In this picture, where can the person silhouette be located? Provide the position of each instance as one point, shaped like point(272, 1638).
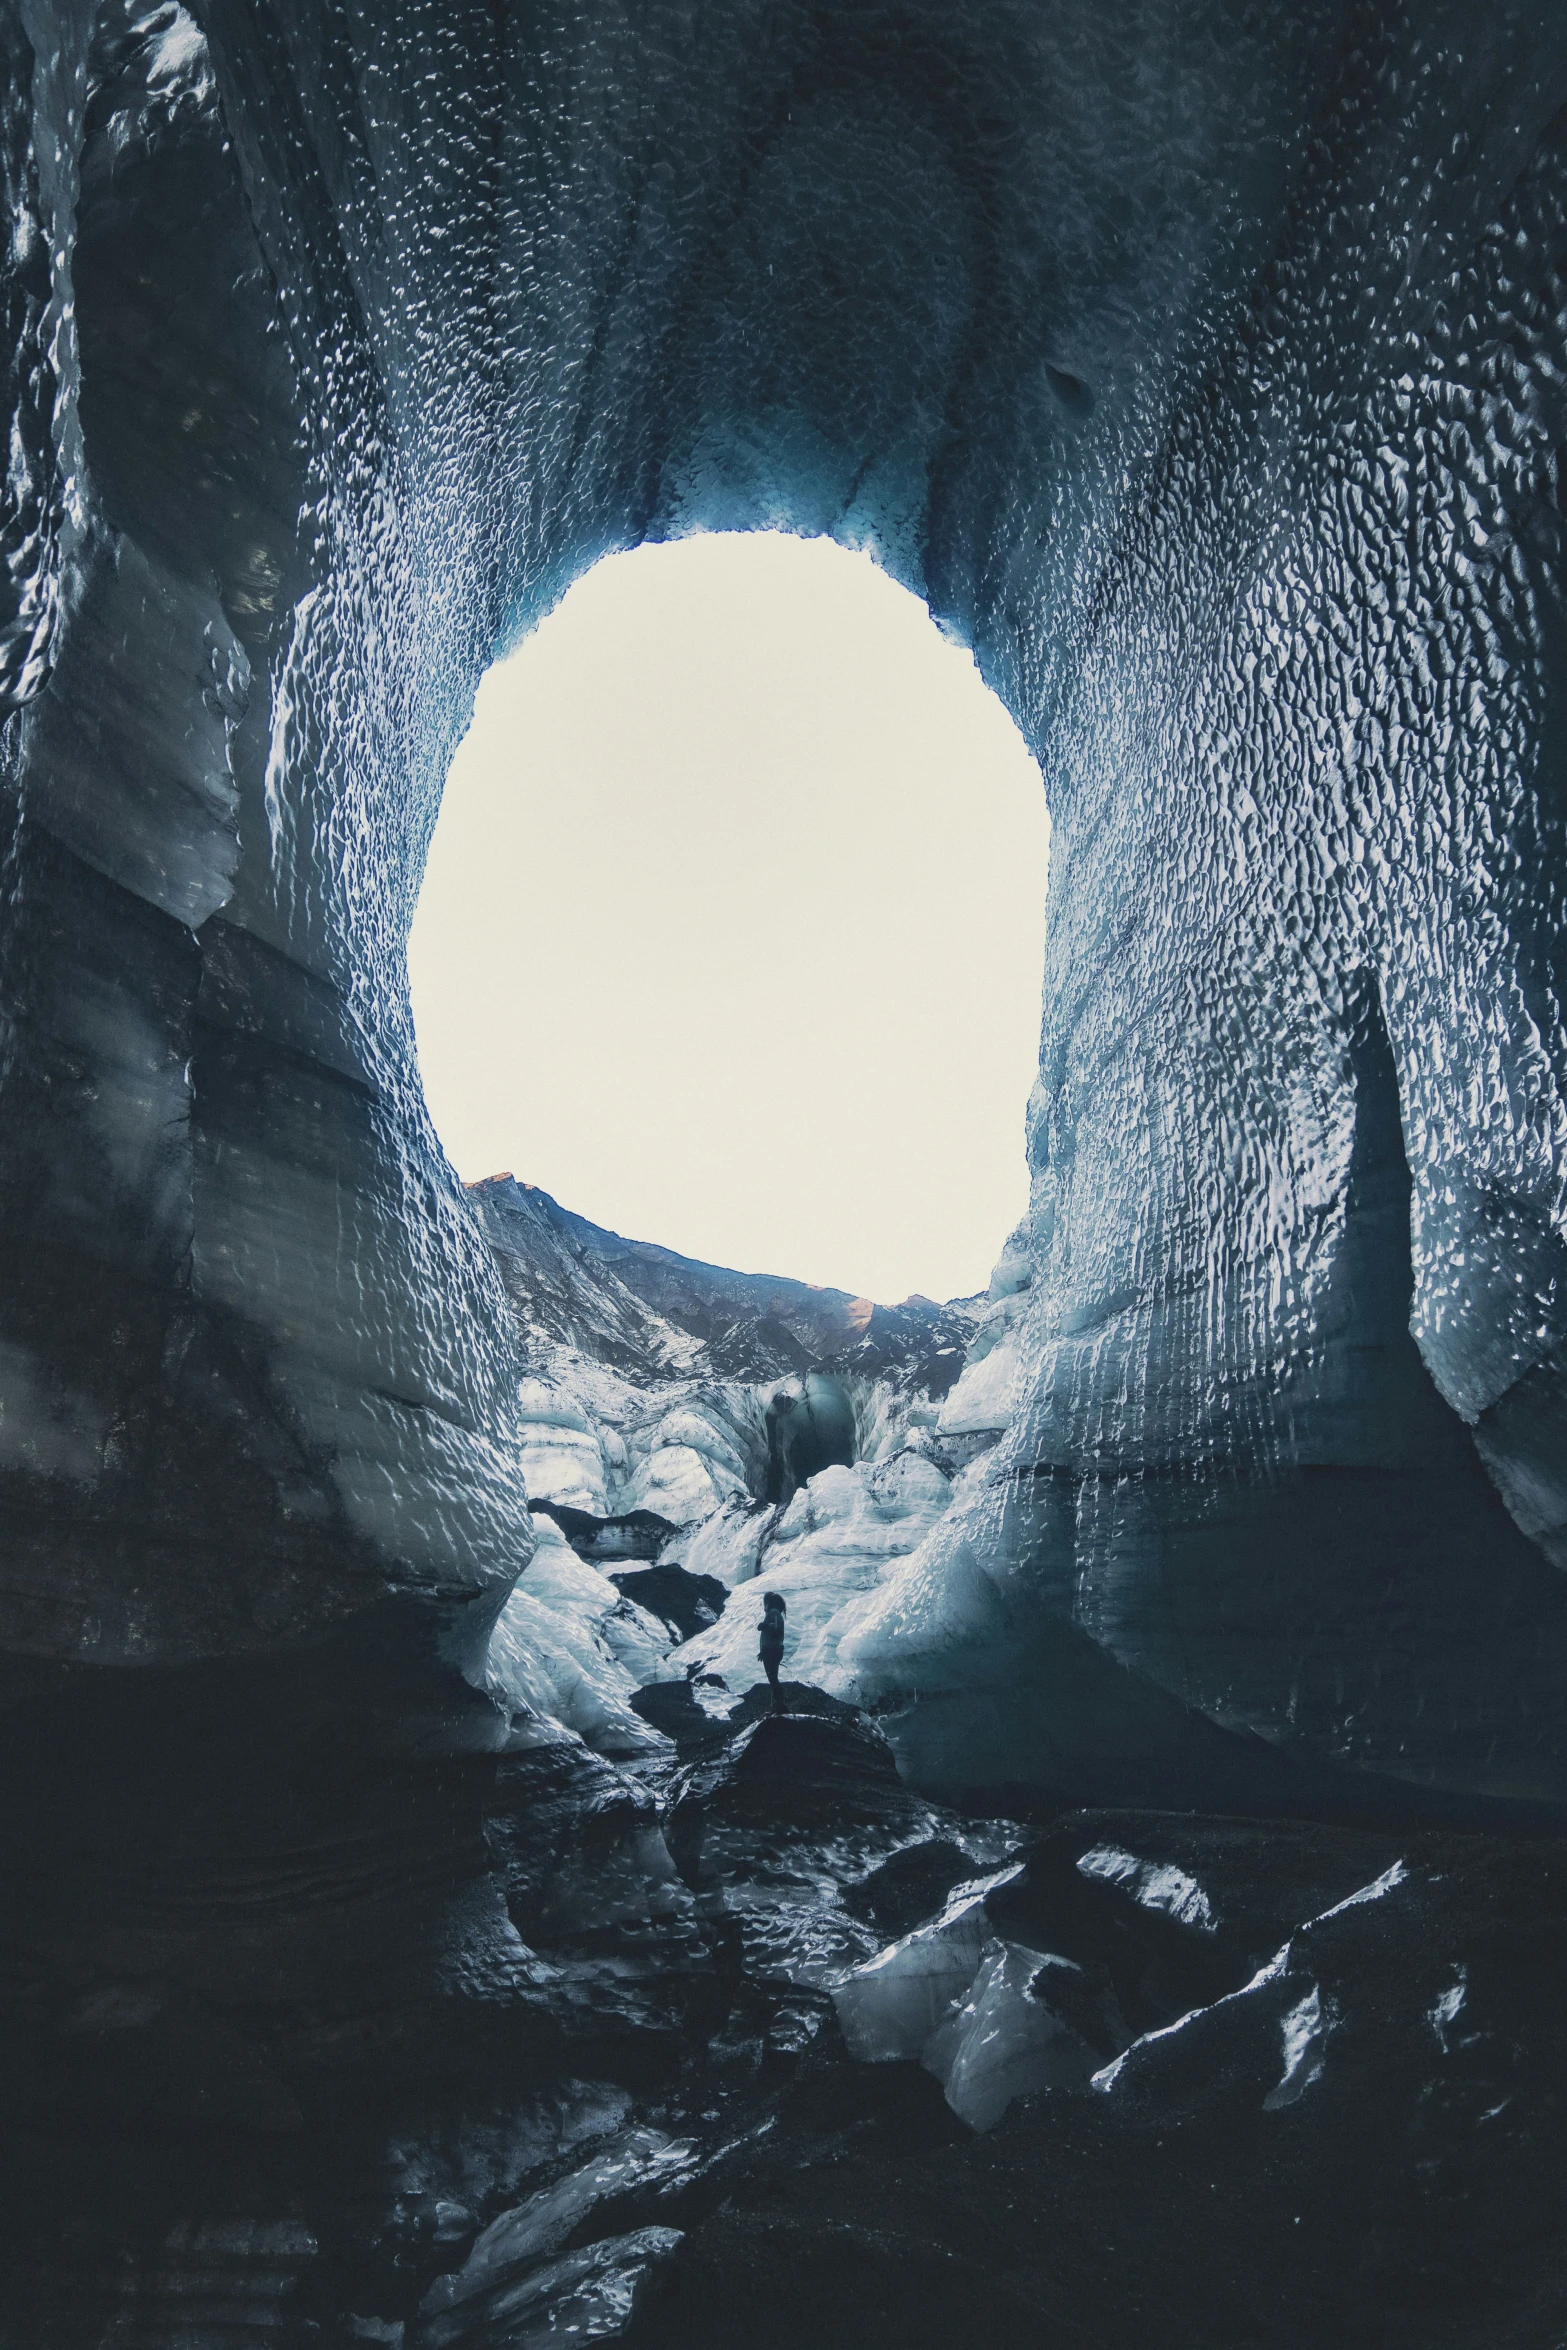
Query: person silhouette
point(770, 1647)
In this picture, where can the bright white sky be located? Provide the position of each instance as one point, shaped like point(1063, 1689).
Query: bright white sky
point(733, 926)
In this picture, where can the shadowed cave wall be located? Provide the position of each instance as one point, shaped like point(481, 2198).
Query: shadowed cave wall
point(1203, 368)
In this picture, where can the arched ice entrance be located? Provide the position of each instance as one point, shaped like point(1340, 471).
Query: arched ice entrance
point(1250, 523)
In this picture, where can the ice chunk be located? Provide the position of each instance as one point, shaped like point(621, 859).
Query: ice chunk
point(544, 1404)
point(1155, 1884)
point(980, 1405)
point(941, 1617)
point(571, 1587)
point(981, 1401)
point(686, 1452)
point(728, 1544)
point(1005, 2040)
point(588, 2296)
point(842, 1534)
point(1377, 1890)
point(1446, 2010)
point(594, 1441)
point(555, 1672)
point(562, 1452)
point(1303, 2023)
point(889, 2007)
point(564, 1581)
point(975, 2010)
point(520, 2238)
point(699, 1432)
point(676, 1482)
point(1303, 2030)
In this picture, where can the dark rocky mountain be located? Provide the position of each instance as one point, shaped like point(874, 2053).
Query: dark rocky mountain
point(618, 1300)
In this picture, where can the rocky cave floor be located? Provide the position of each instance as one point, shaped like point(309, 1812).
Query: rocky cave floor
point(630, 2107)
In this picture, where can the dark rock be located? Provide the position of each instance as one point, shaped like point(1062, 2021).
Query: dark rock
point(796, 1697)
point(420, 2223)
point(782, 1784)
point(139, 2055)
point(909, 1886)
point(675, 1708)
point(1157, 1965)
point(1260, 1878)
point(813, 1758)
point(701, 1716)
point(689, 1602)
point(638, 1534)
point(1433, 2217)
point(569, 1835)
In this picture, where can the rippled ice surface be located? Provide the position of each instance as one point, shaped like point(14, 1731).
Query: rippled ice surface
point(1205, 376)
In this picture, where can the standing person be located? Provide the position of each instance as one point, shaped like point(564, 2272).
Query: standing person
point(770, 1648)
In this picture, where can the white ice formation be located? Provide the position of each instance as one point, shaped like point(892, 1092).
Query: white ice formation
point(1005, 2039)
point(627, 1417)
point(843, 1534)
point(568, 1650)
point(499, 2283)
point(1155, 1884)
point(980, 2013)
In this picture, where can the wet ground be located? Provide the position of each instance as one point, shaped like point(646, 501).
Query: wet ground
point(1307, 2084)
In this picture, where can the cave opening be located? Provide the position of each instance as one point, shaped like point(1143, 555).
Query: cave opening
point(739, 873)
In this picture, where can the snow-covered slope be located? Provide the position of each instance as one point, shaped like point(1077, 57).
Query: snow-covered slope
point(644, 1309)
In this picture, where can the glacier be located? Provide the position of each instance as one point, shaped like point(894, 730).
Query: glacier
point(814, 1462)
point(1201, 366)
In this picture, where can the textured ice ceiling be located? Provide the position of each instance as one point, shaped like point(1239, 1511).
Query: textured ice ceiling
point(1204, 368)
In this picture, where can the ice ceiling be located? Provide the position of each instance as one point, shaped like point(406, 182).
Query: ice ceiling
point(1203, 368)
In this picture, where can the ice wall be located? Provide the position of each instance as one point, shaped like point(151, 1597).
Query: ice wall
point(1203, 367)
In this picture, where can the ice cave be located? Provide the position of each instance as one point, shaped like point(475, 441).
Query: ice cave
point(1140, 1911)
